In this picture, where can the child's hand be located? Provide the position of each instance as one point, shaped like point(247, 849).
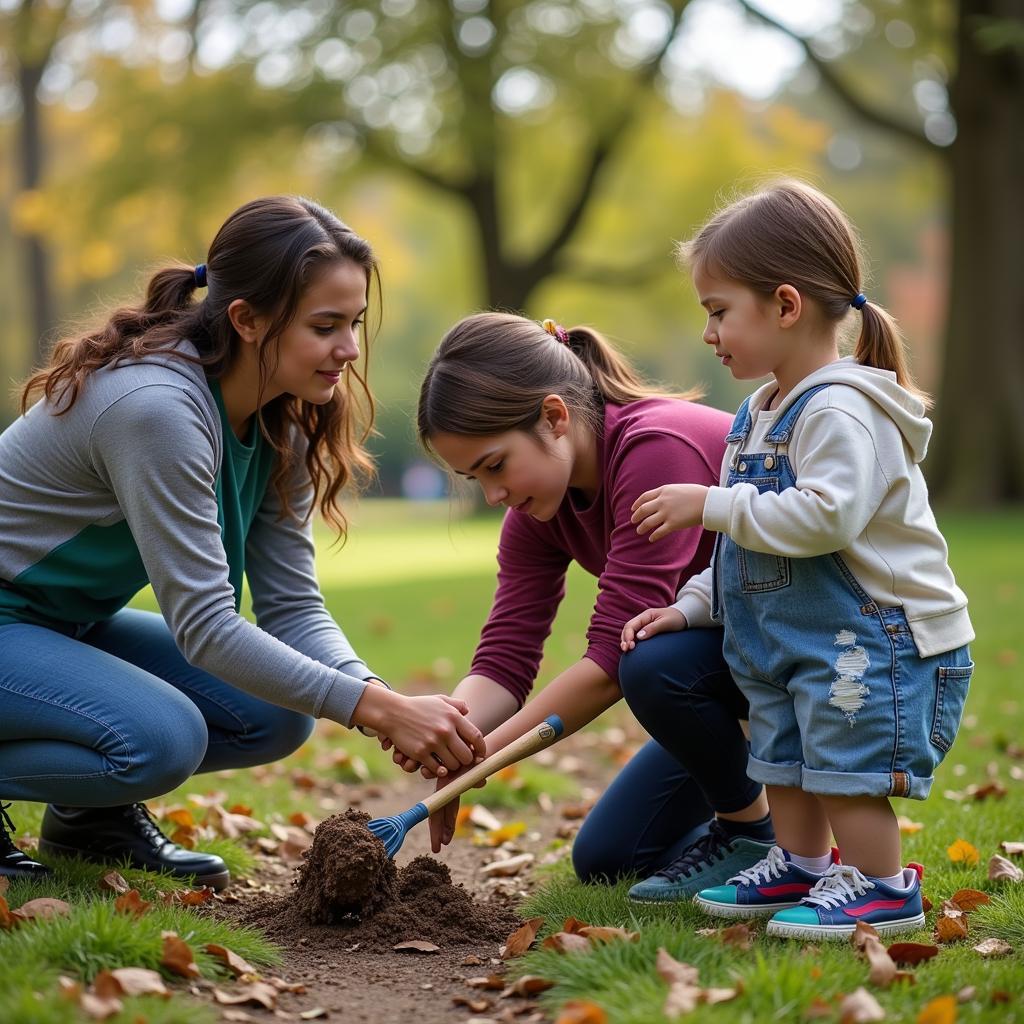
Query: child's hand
point(668, 508)
point(650, 623)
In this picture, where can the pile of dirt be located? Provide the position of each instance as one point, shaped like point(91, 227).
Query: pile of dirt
point(349, 892)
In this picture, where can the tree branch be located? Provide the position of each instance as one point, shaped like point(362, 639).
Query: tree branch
point(842, 90)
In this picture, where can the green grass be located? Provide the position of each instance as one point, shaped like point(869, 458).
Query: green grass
point(781, 979)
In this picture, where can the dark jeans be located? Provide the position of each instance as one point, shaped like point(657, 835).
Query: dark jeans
point(681, 691)
point(119, 715)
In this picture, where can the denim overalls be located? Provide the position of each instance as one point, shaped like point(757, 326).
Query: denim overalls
point(840, 701)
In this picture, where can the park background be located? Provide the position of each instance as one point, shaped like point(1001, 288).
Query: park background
point(544, 156)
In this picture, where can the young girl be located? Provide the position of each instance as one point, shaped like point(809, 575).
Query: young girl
point(181, 445)
point(843, 624)
point(554, 425)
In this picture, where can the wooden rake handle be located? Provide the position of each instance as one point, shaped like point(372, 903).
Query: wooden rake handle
point(529, 743)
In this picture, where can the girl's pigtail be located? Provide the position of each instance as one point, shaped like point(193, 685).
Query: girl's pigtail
point(881, 345)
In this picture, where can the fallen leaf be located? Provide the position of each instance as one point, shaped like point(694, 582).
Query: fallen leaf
point(817, 1009)
point(131, 903)
point(993, 948)
point(521, 939)
point(286, 986)
point(232, 824)
point(181, 816)
point(69, 988)
point(598, 933)
point(983, 792)
point(926, 904)
point(949, 928)
point(193, 897)
point(567, 942)
point(862, 931)
point(574, 924)
point(234, 963)
point(4, 884)
point(1001, 869)
point(99, 1007)
point(497, 836)
point(42, 909)
point(941, 1010)
point(177, 956)
point(258, 992)
point(860, 1007)
point(1012, 849)
point(911, 953)
point(316, 1013)
point(7, 919)
point(908, 827)
point(482, 817)
point(472, 961)
point(507, 868)
point(574, 812)
point(999, 996)
point(883, 970)
point(114, 882)
point(672, 971)
point(966, 994)
point(476, 1005)
point(581, 1011)
point(493, 981)
point(136, 981)
point(528, 985)
point(416, 946)
point(963, 852)
point(969, 899)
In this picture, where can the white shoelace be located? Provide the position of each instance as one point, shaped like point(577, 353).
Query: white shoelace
point(841, 884)
point(772, 866)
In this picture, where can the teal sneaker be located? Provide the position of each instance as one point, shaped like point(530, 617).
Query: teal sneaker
point(772, 884)
point(708, 861)
point(843, 896)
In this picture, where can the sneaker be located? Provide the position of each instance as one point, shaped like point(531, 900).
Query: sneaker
point(844, 896)
point(772, 884)
point(708, 861)
point(15, 863)
point(129, 833)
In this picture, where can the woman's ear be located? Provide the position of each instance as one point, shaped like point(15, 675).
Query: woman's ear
point(789, 304)
point(554, 414)
point(244, 321)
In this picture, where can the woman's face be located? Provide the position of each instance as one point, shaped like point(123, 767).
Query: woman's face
point(528, 473)
point(323, 336)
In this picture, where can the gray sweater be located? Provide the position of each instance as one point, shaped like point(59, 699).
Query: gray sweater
point(122, 490)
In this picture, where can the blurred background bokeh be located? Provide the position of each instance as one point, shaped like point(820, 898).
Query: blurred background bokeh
point(537, 155)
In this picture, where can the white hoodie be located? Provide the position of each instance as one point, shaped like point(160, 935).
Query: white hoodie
point(855, 450)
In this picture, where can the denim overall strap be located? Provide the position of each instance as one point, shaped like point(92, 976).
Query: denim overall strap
point(783, 430)
point(741, 424)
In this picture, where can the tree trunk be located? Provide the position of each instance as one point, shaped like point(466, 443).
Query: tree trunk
point(37, 262)
point(977, 458)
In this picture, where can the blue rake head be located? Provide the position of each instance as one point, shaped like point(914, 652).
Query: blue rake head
point(391, 831)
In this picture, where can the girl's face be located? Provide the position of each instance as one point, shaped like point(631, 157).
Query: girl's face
point(743, 327)
point(323, 336)
point(521, 471)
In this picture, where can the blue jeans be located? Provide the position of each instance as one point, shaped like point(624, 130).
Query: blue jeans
point(116, 715)
point(681, 691)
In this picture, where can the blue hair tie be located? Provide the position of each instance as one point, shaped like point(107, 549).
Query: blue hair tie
point(859, 300)
point(200, 275)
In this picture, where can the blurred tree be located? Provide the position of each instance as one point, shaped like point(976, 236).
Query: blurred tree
point(964, 104)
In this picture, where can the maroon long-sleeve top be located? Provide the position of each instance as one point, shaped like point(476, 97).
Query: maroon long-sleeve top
point(645, 444)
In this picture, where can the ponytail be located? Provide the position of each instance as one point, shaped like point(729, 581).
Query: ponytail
point(492, 372)
point(168, 301)
point(881, 345)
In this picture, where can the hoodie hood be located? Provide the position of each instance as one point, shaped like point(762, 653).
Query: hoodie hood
point(906, 410)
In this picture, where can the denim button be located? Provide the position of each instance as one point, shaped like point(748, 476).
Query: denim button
point(769, 461)
point(742, 467)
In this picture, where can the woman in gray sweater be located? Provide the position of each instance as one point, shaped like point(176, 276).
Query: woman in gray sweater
point(184, 444)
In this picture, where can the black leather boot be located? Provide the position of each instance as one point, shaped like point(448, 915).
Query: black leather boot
point(15, 863)
point(114, 834)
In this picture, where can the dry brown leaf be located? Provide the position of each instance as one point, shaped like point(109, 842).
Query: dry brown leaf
point(234, 963)
point(581, 1011)
point(860, 1007)
point(574, 924)
point(681, 999)
point(476, 1005)
point(739, 936)
point(472, 961)
point(672, 971)
point(862, 931)
point(114, 882)
point(567, 942)
point(317, 1013)
point(883, 970)
point(137, 981)
point(193, 897)
point(42, 909)
point(494, 982)
point(600, 933)
point(181, 816)
point(528, 985)
point(818, 1009)
point(993, 947)
point(1001, 869)
point(969, 899)
point(255, 992)
point(480, 816)
point(908, 827)
point(941, 1010)
point(69, 988)
point(177, 956)
point(99, 1007)
point(521, 939)
point(950, 928)
point(983, 792)
point(962, 852)
point(1012, 849)
point(7, 919)
point(416, 946)
point(497, 836)
point(710, 996)
point(131, 903)
point(236, 822)
point(507, 868)
point(999, 996)
point(911, 953)
point(286, 986)
point(966, 994)
point(574, 812)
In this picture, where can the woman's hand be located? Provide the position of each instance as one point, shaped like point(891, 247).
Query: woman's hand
point(669, 508)
point(442, 822)
point(429, 730)
point(650, 623)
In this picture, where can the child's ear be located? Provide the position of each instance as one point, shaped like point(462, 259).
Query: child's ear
point(789, 304)
point(244, 321)
point(555, 414)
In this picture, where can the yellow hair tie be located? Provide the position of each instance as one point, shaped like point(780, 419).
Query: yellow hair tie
point(555, 330)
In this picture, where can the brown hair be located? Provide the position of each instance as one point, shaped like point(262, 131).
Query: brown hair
point(492, 372)
point(268, 252)
point(790, 233)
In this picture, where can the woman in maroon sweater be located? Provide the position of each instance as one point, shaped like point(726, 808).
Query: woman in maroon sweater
point(556, 426)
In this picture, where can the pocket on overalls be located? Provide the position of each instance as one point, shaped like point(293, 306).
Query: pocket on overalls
point(950, 696)
point(759, 570)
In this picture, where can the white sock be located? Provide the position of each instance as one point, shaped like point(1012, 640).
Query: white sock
point(818, 865)
point(896, 881)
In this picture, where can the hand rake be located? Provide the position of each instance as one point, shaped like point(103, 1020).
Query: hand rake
point(391, 831)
